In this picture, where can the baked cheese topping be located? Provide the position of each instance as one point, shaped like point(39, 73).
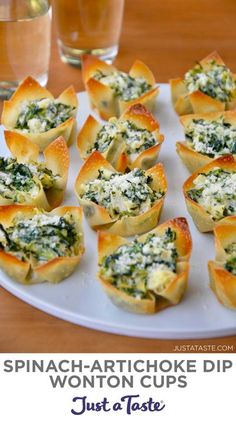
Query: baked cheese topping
point(230, 264)
point(45, 175)
point(41, 115)
point(123, 85)
point(215, 192)
point(137, 268)
point(215, 80)
point(136, 139)
point(214, 139)
point(18, 180)
point(41, 237)
point(122, 194)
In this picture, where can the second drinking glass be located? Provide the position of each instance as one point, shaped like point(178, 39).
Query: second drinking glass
point(88, 27)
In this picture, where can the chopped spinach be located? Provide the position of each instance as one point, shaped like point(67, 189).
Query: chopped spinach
point(211, 138)
point(131, 265)
point(215, 191)
point(230, 265)
point(123, 85)
point(136, 139)
point(41, 115)
point(122, 194)
point(41, 237)
point(18, 178)
point(215, 80)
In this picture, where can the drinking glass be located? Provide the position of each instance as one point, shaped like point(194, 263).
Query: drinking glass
point(88, 27)
point(25, 30)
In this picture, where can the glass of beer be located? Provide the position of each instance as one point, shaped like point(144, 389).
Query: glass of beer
point(88, 27)
point(24, 42)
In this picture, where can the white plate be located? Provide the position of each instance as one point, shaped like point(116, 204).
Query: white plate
point(81, 300)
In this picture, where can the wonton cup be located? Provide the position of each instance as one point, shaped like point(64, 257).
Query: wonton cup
point(102, 97)
point(30, 272)
point(192, 159)
point(99, 218)
point(197, 102)
point(202, 219)
point(30, 90)
point(116, 152)
point(56, 157)
point(173, 292)
point(222, 281)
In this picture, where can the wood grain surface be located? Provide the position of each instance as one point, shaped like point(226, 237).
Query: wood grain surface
point(169, 36)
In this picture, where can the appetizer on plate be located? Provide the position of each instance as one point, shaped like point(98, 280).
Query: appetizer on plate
point(222, 271)
point(36, 246)
point(33, 112)
point(132, 141)
point(210, 193)
point(149, 273)
point(24, 180)
point(124, 204)
point(208, 136)
point(112, 91)
point(209, 86)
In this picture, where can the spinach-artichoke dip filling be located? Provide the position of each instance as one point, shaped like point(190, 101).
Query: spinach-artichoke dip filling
point(215, 192)
point(214, 139)
point(17, 179)
point(41, 237)
point(215, 80)
point(138, 267)
point(41, 115)
point(136, 139)
point(230, 264)
point(122, 194)
point(123, 85)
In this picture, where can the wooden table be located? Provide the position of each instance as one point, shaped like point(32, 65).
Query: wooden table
point(169, 36)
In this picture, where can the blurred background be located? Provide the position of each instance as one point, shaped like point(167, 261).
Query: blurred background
point(168, 35)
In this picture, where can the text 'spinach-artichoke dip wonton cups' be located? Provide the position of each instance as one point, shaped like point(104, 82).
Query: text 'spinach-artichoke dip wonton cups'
point(208, 136)
point(24, 180)
point(209, 86)
point(149, 273)
point(36, 246)
point(222, 271)
point(33, 112)
point(210, 193)
point(125, 204)
point(111, 91)
point(132, 141)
